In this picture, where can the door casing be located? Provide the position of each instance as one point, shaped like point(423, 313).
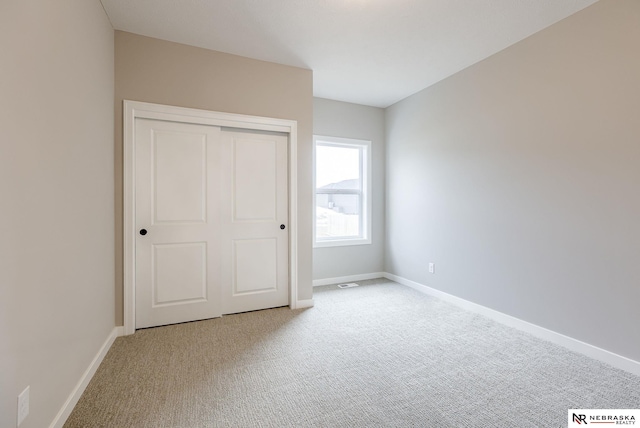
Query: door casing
point(134, 110)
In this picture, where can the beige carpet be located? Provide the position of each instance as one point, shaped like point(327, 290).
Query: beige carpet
point(376, 355)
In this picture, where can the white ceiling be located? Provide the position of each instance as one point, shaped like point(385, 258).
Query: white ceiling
point(372, 52)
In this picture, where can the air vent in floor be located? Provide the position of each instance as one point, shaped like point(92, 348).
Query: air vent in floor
point(348, 285)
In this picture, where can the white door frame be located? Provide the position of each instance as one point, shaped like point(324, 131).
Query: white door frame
point(134, 110)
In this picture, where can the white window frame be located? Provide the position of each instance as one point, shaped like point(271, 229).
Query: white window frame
point(366, 207)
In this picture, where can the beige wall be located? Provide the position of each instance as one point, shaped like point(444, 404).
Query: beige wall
point(56, 188)
point(161, 72)
point(519, 178)
point(340, 119)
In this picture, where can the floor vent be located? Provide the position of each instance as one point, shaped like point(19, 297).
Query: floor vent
point(349, 285)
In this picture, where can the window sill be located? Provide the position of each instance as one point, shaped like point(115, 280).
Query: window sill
point(341, 243)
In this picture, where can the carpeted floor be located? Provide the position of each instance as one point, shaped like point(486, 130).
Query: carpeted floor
point(376, 355)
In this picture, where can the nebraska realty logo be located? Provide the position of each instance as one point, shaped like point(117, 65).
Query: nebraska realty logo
point(580, 417)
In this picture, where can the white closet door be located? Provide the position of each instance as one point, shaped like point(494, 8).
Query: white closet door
point(178, 222)
point(255, 253)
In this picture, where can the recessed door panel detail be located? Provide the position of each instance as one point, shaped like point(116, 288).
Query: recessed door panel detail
point(179, 273)
point(254, 266)
point(179, 180)
point(255, 180)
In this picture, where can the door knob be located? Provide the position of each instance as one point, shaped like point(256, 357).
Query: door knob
point(282, 226)
point(143, 232)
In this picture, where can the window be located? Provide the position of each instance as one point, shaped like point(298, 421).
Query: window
point(342, 192)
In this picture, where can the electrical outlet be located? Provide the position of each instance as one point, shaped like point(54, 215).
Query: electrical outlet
point(23, 405)
point(432, 268)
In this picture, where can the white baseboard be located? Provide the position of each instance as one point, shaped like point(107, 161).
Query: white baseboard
point(350, 278)
point(570, 343)
point(68, 406)
point(301, 304)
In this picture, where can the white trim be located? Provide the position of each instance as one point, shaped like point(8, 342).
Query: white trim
point(349, 278)
point(570, 343)
point(367, 204)
point(68, 405)
point(340, 242)
point(293, 215)
point(135, 109)
point(301, 304)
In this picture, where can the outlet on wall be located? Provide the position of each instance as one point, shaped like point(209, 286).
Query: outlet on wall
point(23, 405)
point(432, 268)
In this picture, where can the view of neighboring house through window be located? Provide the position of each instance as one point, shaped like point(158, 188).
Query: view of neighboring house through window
point(342, 201)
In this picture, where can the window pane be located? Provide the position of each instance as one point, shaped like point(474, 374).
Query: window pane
point(337, 167)
point(337, 216)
